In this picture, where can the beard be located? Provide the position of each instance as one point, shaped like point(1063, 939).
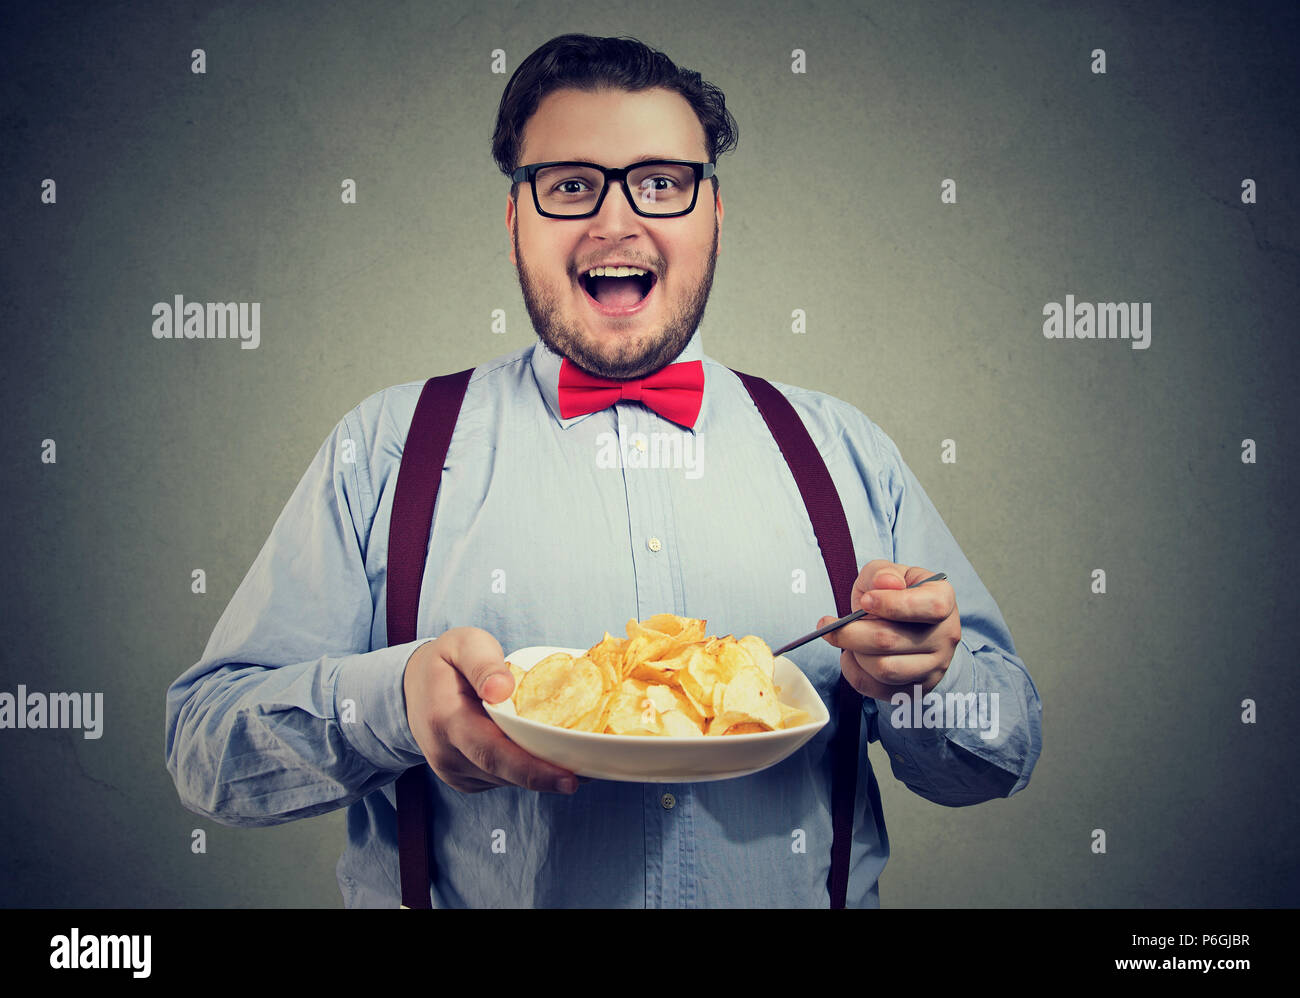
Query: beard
point(627, 360)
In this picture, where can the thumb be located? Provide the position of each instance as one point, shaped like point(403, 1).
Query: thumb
point(477, 656)
point(497, 687)
point(889, 578)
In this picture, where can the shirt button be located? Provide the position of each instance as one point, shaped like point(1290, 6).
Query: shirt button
point(668, 801)
point(654, 544)
point(640, 443)
point(897, 757)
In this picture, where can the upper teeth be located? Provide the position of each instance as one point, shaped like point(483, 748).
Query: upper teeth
point(616, 272)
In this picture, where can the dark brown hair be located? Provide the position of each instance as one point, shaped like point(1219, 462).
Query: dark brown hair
point(583, 62)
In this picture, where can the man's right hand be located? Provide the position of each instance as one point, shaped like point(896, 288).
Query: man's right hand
point(444, 681)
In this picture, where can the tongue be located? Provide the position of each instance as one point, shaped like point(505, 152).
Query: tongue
point(617, 292)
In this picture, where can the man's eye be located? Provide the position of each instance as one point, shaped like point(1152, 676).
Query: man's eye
point(658, 183)
point(570, 187)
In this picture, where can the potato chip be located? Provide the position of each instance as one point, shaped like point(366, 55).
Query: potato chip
point(719, 691)
point(517, 672)
point(643, 648)
point(678, 725)
point(659, 673)
point(792, 717)
point(595, 719)
point(628, 714)
point(542, 680)
point(610, 674)
point(665, 678)
point(608, 656)
point(750, 697)
point(668, 625)
point(732, 659)
point(745, 728)
point(559, 690)
point(690, 689)
point(687, 708)
point(661, 697)
point(716, 726)
point(662, 710)
point(704, 670)
point(760, 653)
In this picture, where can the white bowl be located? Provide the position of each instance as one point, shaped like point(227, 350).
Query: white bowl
point(655, 759)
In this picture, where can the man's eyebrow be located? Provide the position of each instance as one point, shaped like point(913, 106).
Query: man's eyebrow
point(648, 158)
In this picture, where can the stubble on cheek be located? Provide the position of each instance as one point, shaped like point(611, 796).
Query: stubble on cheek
point(625, 359)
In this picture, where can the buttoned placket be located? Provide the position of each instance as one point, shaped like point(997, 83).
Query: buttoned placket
point(668, 810)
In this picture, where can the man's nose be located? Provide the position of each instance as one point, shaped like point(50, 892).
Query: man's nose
point(616, 219)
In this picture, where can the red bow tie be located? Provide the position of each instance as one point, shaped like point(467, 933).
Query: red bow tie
point(675, 391)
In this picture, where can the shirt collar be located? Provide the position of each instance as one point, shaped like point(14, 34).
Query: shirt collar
point(546, 369)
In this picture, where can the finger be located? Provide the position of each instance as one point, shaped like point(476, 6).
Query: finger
point(898, 670)
point(915, 574)
point(485, 746)
point(477, 656)
point(885, 677)
point(878, 574)
point(831, 637)
point(460, 774)
point(489, 755)
point(930, 604)
point(863, 582)
point(871, 636)
point(882, 574)
point(468, 785)
point(862, 681)
point(498, 687)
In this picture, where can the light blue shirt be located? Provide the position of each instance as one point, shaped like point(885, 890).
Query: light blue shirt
point(552, 531)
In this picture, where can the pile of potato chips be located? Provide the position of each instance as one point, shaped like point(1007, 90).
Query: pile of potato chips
point(664, 678)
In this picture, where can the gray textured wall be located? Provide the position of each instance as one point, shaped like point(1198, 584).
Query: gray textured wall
point(1072, 455)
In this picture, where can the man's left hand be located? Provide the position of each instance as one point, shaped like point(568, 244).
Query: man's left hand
point(909, 637)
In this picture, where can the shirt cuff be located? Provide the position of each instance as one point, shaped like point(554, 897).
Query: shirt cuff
point(959, 678)
point(941, 747)
point(370, 705)
point(916, 749)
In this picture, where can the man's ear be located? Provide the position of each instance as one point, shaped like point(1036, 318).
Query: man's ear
point(510, 228)
point(718, 199)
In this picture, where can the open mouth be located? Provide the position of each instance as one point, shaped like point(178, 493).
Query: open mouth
point(618, 289)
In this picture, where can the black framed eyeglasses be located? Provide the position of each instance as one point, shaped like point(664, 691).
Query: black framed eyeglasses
point(661, 188)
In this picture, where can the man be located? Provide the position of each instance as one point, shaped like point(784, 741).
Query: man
point(298, 707)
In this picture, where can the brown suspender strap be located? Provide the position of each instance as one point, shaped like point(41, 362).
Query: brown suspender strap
point(418, 478)
point(408, 548)
point(832, 529)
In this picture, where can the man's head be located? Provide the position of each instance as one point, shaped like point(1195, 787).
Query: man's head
point(612, 102)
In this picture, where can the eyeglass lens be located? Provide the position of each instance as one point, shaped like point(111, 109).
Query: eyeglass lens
point(657, 188)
